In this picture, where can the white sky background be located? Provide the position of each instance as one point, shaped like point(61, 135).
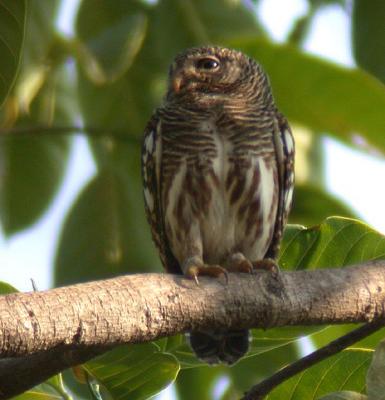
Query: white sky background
point(352, 175)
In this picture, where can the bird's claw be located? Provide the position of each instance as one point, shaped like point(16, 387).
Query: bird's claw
point(267, 264)
point(243, 266)
point(237, 262)
point(206, 270)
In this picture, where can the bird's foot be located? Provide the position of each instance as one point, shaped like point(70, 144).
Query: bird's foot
point(214, 271)
point(239, 263)
point(268, 264)
point(193, 268)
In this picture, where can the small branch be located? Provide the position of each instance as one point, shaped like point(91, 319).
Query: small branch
point(42, 333)
point(20, 374)
point(69, 130)
point(259, 391)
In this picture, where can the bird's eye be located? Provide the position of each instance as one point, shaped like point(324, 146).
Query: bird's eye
point(207, 63)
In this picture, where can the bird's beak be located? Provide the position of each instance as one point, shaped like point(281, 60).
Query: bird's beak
point(177, 83)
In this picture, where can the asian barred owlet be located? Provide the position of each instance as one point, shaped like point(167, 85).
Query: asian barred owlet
point(217, 165)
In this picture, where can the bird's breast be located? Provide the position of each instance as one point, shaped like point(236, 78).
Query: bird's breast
point(223, 194)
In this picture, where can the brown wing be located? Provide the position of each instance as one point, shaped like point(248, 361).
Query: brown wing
point(151, 167)
point(284, 150)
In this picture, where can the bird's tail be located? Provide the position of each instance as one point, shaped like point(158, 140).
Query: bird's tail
point(220, 347)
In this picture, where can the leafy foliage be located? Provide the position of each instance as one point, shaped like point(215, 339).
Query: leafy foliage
point(113, 248)
point(41, 392)
point(334, 243)
point(346, 370)
point(368, 23)
point(344, 395)
point(34, 164)
point(6, 288)
point(335, 108)
point(12, 19)
point(120, 53)
point(52, 389)
point(375, 378)
point(136, 372)
point(34, 170)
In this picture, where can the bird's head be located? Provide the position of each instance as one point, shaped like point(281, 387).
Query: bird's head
point(207, 74)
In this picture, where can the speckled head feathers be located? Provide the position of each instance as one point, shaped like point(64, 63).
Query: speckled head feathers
point(222, 53)
point(209, 71)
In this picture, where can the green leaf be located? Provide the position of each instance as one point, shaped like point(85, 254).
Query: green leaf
point(335, 242)
point(320, 94)
point(368, 36)
point(312, 204)
point(375, 379)
point(33, 170)
point(198, 23)
point(113, 36)
point(105, 233)
point(186, 357)
point(250, 369)
point(56, 382)
point(332, 332)
point(34, 163)
point(37, 61)
point(40, 30)
point(80, 390)
point(344, 371)
point(202, 379)
point(41, 392)
point(117, 104)
point(134, 372)
point(263, 341)
point(12, 25)
point(344, 395)
point(6, 288)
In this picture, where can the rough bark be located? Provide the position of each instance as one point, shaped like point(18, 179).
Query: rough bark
point(42, 333)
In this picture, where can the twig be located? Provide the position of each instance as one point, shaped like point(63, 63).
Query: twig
point(259, 391)
point(71, 129)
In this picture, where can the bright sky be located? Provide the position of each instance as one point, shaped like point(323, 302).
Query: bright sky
point(351, 174)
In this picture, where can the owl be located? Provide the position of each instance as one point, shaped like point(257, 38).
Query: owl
point(218, 176)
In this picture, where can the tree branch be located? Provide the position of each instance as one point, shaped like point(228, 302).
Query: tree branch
point(38, 130)
point(259, 391)
point(69, 325)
